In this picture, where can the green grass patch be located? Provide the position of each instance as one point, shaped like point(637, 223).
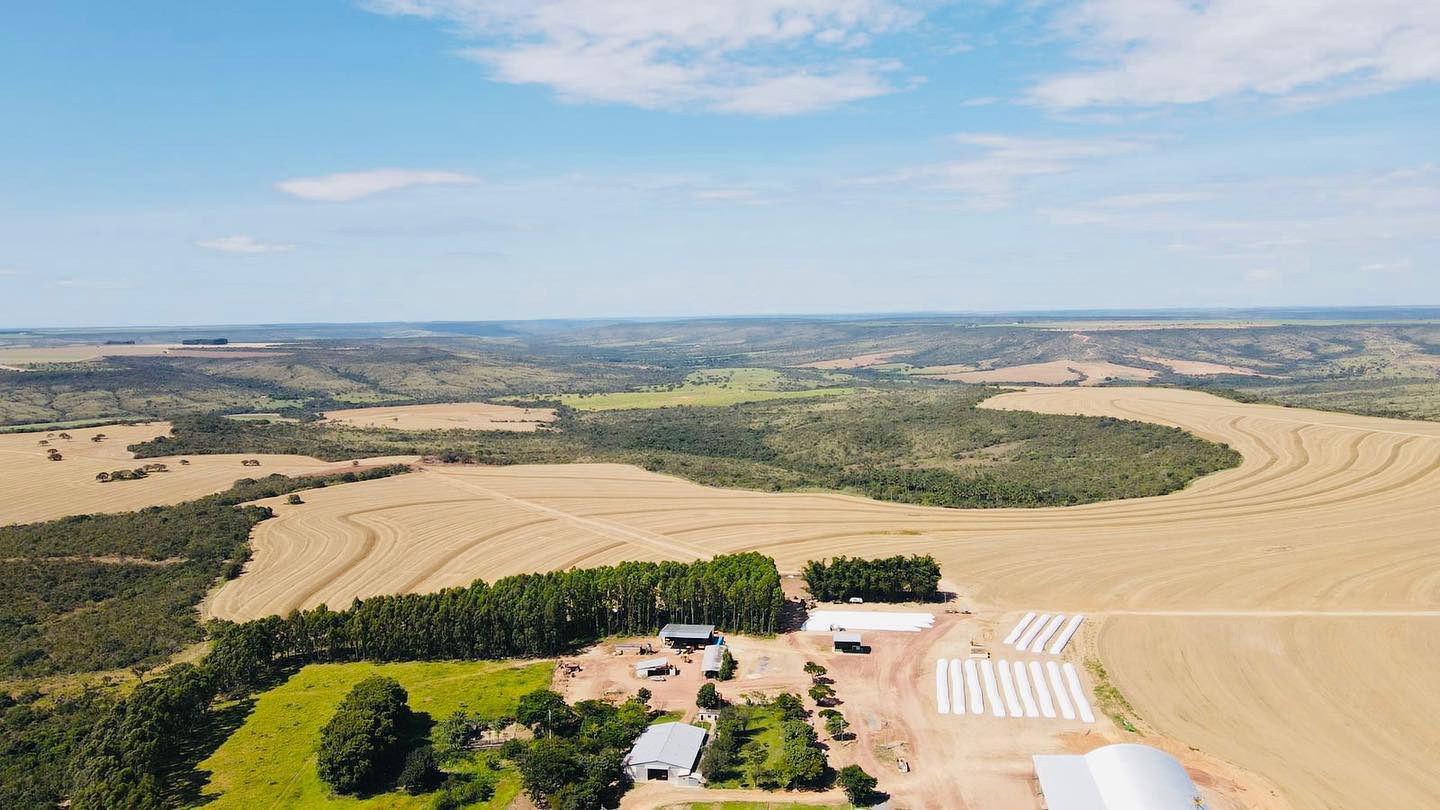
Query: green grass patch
point(270, 760)
point(762, 728)
point(1109, 699)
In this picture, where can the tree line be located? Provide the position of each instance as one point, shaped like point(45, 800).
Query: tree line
point(890, 579)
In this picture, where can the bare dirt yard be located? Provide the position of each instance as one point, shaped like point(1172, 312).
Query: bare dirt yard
point(448, 416)
point(1280, 615)
point(34, 488)
point(1055, 372)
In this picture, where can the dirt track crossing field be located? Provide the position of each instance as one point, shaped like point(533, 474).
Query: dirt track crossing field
point(1329, 514)
point(33, 488)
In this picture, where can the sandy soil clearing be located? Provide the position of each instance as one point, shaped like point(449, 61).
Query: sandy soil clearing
point(1328, 514)
point(448, 416)
point(33, 488)
point(858, 361)
point(1088, 372)
point(1197, 368)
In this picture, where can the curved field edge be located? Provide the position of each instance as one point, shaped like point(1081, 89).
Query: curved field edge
point(927, 447)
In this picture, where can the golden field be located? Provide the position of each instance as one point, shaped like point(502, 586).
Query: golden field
point(1279, 615)
point(447, 416)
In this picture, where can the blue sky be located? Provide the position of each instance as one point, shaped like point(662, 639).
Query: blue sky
point(332, 160)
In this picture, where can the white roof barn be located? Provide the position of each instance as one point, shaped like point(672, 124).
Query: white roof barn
point(1126, 776)
point(669, 751)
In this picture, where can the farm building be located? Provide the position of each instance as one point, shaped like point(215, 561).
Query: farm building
point(651, 667)
point(849, 642)
point(667, 751)
point(1125, 776)
point(687, 635)
point(710, 665)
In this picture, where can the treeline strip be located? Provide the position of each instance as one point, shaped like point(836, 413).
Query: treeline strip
point(125, 760)
point(889, 579)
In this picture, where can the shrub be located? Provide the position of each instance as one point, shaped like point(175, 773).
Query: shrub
point(858, 785)
point(421, 770)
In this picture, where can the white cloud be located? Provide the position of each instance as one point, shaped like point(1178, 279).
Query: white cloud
point(94, 283)
point(346, 186)
point(991, 178)
point(1151, 52)
point(753, 57)
point(242, 245)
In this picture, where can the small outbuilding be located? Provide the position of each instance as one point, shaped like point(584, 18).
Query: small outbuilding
point(849, 642)
point(688, 635)
point(667, 752)
point(1124, 776)
point(652, 667)
point(714, 657)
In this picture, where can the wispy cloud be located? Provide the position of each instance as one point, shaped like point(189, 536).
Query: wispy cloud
point(242, 245)
point(759, 57)
point(346, 186)
point(1150, 199)
point(991, 177)
point(1387, 267)
point(1153, 52)
point(94, 283)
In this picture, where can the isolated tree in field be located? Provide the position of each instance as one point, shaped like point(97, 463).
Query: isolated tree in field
point(822, 693)
point(293, 499)
point(707, 697)
point(360, 744)
point(858, 785)
point(727, 665)
point(836, 726)
point(814, 670)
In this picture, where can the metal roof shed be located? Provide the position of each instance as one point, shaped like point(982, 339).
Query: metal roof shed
point(1125, 776)
point(714, 654)
point(650, 665)
point(691, 634)
point(666, 751)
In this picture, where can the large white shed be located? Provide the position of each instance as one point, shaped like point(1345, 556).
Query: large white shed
point(667, 751)
point(1125, 776)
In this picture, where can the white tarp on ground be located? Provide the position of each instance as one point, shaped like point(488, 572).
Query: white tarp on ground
point(1064, 637)
point(1007, 685)
point(826, 621)
point(992, 693)
point(1078, 692)
point(972, 686)
point(1057, 685)
point(1019, 628)
point(1022, 685)
point(1029, 635)
point(957, 687)
point(1037, 677)
point(942, 686)
point(1039, 643)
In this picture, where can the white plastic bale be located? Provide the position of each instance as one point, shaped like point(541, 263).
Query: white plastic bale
point(1007, 686)
point(1039, 643)
point(1082, 703)
point(1064, 638)
point(957, 687)
point(1042, 693)
point(942, 690)
point(992, 692)
point(1057, 685)
point(1019, 628)
point(972, 686)
point(1034, 629)
point(1022, 685)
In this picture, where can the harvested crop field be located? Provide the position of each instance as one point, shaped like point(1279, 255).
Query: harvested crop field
point(1056, 372)
point(33, 488)
point(1197, 368)
point(1330, 518)
point(20, 356)
point(858, 361)
point(448, 416)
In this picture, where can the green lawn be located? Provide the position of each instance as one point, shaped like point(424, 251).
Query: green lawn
point(715, 387)
point(269, 762)
point(762, 729)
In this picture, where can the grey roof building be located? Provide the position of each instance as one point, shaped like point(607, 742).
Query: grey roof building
point(687, 635)
point(714, 654)
point(669, 752)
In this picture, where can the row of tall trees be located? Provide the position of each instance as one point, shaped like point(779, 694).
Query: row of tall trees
point(518, 616)
point(889, 579)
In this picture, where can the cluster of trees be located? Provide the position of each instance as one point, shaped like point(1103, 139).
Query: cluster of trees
point(575, 761)
point(127, 757)
point(518, 616)
point(360, 745)
point(62, 610)
point(890, 579)
point(734, 749)
point(130, 475)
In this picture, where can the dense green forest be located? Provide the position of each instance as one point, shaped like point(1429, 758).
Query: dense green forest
point(928, 445)
point(135, 755)
point(109, 591)
point(890, 579)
